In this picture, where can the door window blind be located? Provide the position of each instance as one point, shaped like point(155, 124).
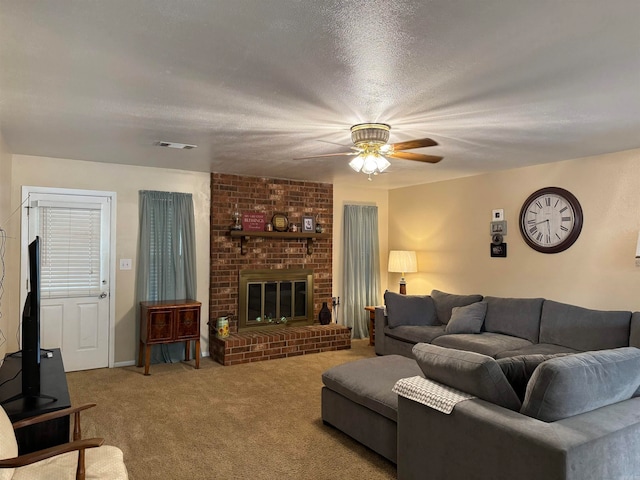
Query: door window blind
point(70, 251)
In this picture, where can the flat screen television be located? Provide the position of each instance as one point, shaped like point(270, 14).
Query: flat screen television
point(31, 327)
point(30, 353)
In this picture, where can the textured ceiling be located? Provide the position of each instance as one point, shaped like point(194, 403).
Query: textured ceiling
point(254, 83)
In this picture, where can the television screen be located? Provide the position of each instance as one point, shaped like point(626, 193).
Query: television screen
point(31, 326)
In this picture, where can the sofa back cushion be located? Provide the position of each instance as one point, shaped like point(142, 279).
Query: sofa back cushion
point(567, 386)
point(520, 368)
point(583, 329)
point(470, 372)
point(445, 302)
point(417, 310)
point(518, 317)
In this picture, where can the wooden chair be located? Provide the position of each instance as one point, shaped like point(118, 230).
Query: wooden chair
point(61, 462)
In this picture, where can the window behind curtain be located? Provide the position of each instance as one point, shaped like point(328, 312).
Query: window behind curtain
point(361, 269)
point(166, 256)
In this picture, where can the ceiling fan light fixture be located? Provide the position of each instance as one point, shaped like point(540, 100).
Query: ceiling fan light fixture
point(383, 163)
point(370, 164)
point(370, 134)
point(357, 163)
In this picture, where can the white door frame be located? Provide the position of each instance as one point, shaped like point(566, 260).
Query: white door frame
point(24, 252)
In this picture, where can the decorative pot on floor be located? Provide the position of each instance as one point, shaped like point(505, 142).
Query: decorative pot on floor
point(325, 314)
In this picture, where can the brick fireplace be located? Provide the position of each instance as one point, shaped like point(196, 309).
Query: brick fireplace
point(269, 196)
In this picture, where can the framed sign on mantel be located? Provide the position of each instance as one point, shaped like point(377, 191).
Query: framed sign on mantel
point(253, 221)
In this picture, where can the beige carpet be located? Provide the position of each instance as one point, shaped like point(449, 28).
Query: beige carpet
point(252, 421)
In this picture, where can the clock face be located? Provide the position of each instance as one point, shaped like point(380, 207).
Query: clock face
point(551, 220)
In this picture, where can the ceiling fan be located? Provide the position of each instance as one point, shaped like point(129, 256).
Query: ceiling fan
point(371, 147)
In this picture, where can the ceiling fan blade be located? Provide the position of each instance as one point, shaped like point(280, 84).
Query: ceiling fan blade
point(328, 155)
point(411, 144)
point(415, 156)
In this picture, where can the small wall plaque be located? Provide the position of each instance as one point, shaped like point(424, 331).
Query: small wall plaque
point(499, 250)
point(253, 221)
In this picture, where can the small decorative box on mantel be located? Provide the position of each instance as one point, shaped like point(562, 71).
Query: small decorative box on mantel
point(253, 221)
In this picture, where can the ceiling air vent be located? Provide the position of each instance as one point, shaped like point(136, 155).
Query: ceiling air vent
point(179, 146)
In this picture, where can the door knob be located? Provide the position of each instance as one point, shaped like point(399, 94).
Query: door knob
point(103, 294)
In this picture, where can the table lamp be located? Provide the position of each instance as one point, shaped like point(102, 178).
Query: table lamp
point(402, 261)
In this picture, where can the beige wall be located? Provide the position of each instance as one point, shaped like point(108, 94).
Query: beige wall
point(448, 224)
point(126, 181)
point(347, 194)
point(8, 300)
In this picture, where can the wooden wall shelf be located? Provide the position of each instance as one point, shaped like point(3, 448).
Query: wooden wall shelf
point(246, 235)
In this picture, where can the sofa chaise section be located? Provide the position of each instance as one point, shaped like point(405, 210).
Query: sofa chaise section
point(589, 432)
point(357, 399)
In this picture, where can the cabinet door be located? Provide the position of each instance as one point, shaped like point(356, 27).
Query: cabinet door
point(160, 325)
point(188, 322)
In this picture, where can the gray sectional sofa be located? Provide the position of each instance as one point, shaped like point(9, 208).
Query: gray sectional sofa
point(509, 327)
point(506, 353)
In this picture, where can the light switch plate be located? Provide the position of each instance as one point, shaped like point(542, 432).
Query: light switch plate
point(125, 264)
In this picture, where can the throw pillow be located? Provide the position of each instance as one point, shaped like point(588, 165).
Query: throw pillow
point(445, 302)
point(414, 310)
point(470, 372)
point(467, 319)
point(520, 368)
point(567, 386)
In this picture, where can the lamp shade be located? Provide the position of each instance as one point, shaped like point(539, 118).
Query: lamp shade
point(402, 261)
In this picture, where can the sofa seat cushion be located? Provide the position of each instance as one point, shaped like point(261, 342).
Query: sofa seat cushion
point(567, 386)
point(486, 343)
point(537, 349)
point(413, 334)
point(410, 309)
point(445, 302)
point(582, 328)
point(518, 317)
point(369, 381)
point(472, 373)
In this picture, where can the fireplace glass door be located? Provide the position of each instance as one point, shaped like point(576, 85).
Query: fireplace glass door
point(267, 300)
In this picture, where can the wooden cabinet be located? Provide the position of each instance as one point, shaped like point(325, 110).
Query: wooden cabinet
point(169, 321)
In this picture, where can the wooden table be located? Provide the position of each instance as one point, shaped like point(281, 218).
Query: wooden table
point(53, 383)
point(169, 321)
point(372, 325)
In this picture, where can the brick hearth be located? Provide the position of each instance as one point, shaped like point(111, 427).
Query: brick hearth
point(270, 343)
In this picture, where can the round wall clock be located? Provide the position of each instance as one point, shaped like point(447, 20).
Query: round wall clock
point(551, 220)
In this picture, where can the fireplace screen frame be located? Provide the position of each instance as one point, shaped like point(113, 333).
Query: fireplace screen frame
point(269, 277)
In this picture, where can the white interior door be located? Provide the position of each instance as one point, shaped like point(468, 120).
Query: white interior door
point(74, 233)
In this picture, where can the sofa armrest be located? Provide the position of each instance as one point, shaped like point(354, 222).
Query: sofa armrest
point(482, 440)
point(381, 322)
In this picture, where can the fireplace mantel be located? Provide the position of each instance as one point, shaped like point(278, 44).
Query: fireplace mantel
point(245, 235)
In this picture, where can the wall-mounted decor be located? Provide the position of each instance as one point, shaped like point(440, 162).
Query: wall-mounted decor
point(551, 220)
point(499, 250)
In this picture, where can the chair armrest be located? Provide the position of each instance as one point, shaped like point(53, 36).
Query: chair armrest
point(51, 415)
point(34, 457)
